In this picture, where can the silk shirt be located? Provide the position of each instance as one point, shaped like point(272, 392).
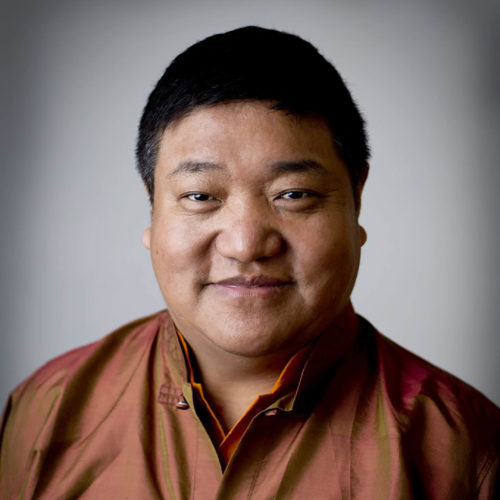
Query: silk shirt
point(366, 420)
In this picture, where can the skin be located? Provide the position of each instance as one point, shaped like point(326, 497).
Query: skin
point(254, 241)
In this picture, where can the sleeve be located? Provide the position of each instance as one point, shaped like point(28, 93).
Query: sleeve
point(6, 474)
point(489, 487)
point(5, 414)
point(26, 415)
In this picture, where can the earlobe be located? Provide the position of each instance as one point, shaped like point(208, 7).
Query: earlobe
point(146, 238)
point(362, 235)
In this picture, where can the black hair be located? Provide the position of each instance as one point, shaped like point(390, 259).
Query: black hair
point(253, 64)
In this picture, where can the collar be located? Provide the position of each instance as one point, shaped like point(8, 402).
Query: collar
point(327, 353)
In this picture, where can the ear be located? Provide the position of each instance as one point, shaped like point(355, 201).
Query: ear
point(357, 199)
point(362, 235)
point(146, 238)
point(359, 187)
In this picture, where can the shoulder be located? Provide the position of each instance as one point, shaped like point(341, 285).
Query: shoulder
point(67, 386)
point(127, 339)
point(444, 423)
point(412, 382)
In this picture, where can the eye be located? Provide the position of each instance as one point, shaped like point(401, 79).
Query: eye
point(298, 200)
point(198, 202)
point(295, 195)
point(199, 197)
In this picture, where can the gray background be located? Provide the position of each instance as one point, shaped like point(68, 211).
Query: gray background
point(75, 75)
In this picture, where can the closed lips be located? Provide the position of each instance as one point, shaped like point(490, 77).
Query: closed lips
point(252, 281)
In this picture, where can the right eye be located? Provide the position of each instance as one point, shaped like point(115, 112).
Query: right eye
point(199, 202)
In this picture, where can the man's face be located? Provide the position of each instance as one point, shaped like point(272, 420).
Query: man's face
point(254, 237)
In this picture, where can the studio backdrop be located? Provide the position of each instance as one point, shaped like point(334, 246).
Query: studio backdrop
point(75, 76)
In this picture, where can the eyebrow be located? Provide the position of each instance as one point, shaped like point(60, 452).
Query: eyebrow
point(299, 166)
point(277, 168)
point(194, 167)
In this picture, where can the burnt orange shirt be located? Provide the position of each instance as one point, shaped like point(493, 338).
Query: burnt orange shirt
point(367, 420)
point(226, 442)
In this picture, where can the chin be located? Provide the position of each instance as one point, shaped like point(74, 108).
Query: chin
point(251, 339)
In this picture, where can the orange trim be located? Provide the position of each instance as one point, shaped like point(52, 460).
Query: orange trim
point(288, 378)
point(226, 442)
point(216, 430)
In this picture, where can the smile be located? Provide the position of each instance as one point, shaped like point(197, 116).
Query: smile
point(250, 286)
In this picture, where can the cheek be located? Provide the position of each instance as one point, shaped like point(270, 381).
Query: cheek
point(173, 247)
point(326, 257)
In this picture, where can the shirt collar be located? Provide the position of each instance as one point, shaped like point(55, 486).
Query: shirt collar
point(325, 355)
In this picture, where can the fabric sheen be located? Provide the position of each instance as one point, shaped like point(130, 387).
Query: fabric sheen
point(367, 420)
point(226, 442)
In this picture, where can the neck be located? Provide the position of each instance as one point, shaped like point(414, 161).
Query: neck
point(231, 382)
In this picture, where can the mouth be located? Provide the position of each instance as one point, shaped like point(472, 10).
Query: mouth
point(250, 286)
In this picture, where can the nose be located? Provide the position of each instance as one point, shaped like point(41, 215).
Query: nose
point(248, 236)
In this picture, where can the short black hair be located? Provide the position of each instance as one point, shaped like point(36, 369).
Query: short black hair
point(253, 64)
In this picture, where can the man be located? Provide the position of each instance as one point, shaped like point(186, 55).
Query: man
point(260, 381)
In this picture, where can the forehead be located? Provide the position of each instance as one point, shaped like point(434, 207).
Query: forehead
point(245, 134)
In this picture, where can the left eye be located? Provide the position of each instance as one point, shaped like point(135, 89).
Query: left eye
point(199, 197)
point(295, 195)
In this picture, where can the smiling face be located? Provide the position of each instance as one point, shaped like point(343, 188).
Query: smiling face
point(254, 238)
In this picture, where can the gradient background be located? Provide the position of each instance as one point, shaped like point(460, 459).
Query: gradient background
point(75, 76)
